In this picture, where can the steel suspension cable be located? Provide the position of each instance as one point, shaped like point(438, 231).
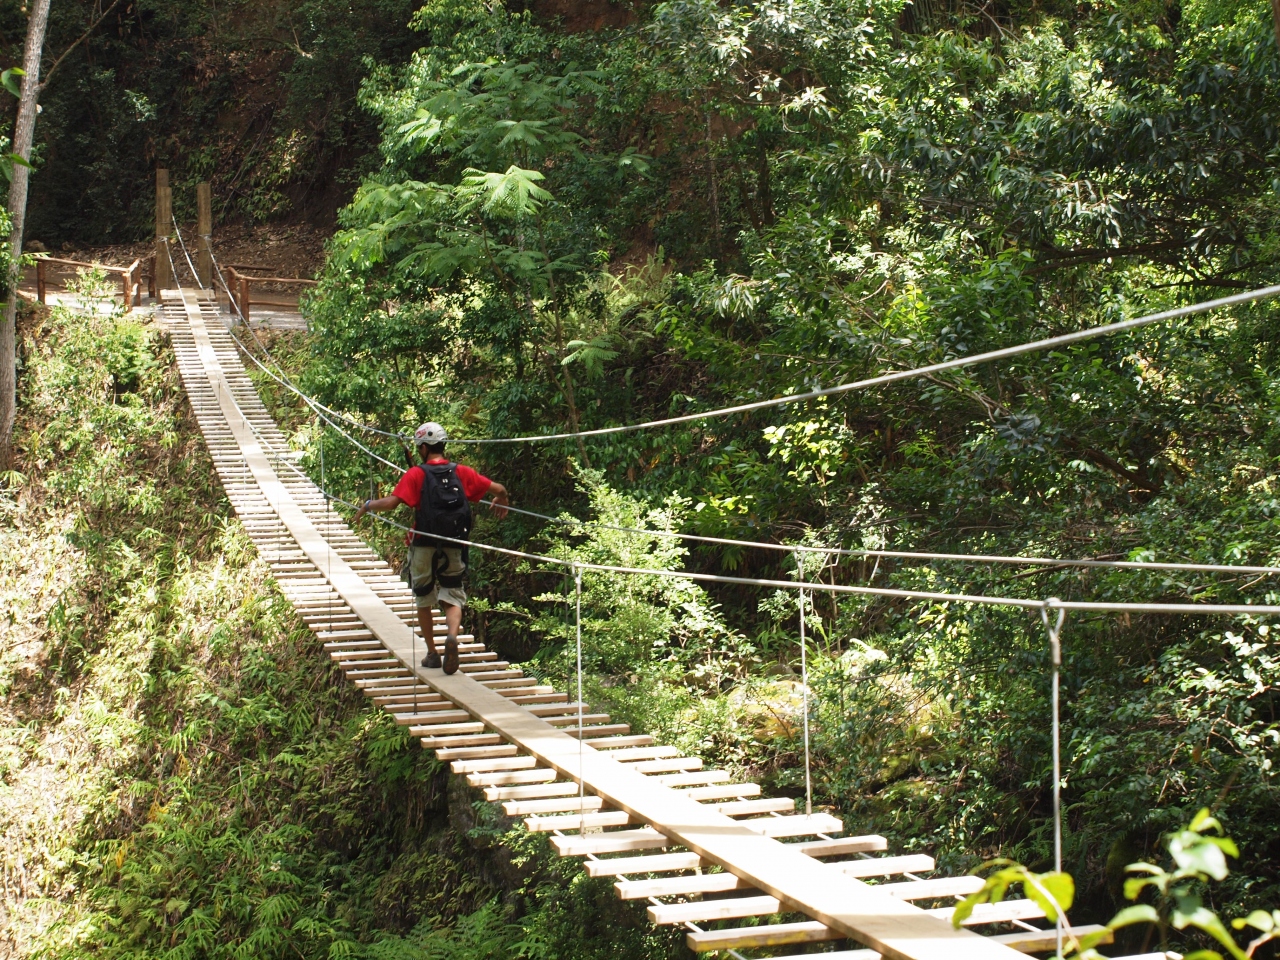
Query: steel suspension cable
point(1162, 608)
point(1126, 607)
point(907, 554)
point(1035, 346)
point(1026, 604)
point(321, 410)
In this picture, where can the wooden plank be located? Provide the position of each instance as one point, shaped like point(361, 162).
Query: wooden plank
point(537, 791)
point(936, 887)
point(608, 743)
point(437, 730)
point(708, 910)
point(572, 720)
point(573, 821)
point(523, 808)
point(1002, 912)
point(739, 808)
point(686, 886)
point(1038, 941)
point(797, 825)
point(540, 698)
point(462, 740)
point(475, 753)
point(771, 935)
point(845, 845)
point(885, 866)
point(727, 792)
point(647, 838)
point(619, 841)
point(426, 711)
point(510, 777)
point(628, 754)
point(694, 778)
point(599, 731)
point(494, 763)
point(657, 863)
point(670, 765)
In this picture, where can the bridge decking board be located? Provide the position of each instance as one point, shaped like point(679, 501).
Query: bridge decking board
point(336, 581)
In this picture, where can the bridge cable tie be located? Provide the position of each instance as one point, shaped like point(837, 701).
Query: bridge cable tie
point(1053, 626)
point(317, 407)
point(577, 622)
point(804, 685)
point(1243, 609)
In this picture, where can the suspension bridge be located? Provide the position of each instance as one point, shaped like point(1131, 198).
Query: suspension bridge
point(694, 846)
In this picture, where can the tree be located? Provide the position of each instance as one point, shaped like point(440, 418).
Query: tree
point(23, 137)
point(19, 167)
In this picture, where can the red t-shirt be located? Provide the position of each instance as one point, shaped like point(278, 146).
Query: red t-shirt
point(409, 489)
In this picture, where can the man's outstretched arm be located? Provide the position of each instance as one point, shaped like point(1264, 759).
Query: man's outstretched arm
point(381, 505)
point(498, 494)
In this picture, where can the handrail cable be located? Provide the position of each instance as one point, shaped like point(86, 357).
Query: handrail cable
point(1033, 346)
point(321, 410)
point(793, 548)
point(900, 554)
point(1026, 604)
point(283, 378)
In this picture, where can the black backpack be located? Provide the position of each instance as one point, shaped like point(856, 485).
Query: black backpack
point(443, 509)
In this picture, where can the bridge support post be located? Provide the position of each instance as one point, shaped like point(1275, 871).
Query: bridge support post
point(204, 234)
point(163, 272)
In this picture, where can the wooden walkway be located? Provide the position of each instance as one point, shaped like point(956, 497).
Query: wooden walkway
point(692, 844)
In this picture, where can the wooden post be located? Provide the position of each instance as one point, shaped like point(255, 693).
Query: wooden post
point(135, 281)
point(40, 279)
point(204, 234)
point(164, 217)
point(244, 300)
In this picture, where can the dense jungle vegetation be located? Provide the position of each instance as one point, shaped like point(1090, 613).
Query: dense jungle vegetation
point(576, 217)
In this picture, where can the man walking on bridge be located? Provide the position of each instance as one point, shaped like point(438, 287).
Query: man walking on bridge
point(441, 494)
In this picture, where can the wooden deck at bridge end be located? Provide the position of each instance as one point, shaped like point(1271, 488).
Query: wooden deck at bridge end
point(512, 738)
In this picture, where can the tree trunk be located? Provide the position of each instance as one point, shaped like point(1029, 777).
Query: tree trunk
point(23, 137)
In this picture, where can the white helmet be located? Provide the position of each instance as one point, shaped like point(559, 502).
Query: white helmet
point(429, 434)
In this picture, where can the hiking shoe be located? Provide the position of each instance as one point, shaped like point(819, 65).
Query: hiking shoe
point(431, 661)
point(451, 655)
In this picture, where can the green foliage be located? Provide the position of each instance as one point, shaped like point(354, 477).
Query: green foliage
point(180, 773)
point(1198, 859)
point(258, 98)
point(819, 192)
point(1051, 892)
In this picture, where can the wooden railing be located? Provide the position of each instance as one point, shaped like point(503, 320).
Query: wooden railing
point(241, 288)
point(130, 278)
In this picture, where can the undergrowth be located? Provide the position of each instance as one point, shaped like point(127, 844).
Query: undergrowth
point(181, 773)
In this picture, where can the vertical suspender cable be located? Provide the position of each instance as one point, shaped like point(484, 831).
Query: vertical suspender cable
point(577, 622)
point(804, 684)
point(328, 546)
point(1053, 626)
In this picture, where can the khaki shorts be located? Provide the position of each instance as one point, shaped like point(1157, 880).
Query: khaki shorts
point(419, 564)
